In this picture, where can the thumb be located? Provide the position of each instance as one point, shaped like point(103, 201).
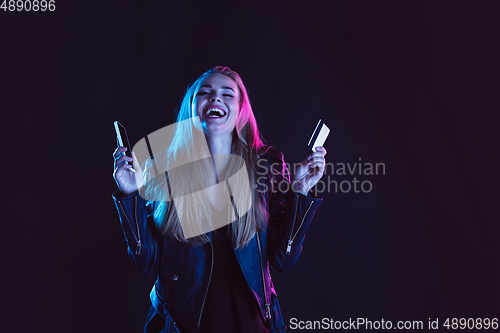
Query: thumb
point(139, 180)
point(135, 162)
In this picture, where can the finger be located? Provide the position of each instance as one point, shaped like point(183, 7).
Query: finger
point(317, 165)
point(315, 154)
point(317, 171)
point(135, 162)
point(319, 153)
point(317, 158)
point(119, 151)
point(322, 150)
point(123, 159)
point(312, 155)
point(119, 170)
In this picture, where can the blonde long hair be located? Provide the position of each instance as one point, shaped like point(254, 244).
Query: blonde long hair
point(247, 144)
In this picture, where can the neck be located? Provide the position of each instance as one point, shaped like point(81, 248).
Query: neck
point(219, 144)
point(220, 148)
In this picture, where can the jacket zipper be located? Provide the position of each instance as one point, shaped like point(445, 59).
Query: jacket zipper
point(291, 239)
point(137, 238)
point(209, 278)
point(266, 305)
point(139, 243)
point(289, 246)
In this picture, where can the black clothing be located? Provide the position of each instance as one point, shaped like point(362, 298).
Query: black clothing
point(230, 305)
point(184, 271)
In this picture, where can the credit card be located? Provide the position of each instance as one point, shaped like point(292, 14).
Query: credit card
point(319, 135)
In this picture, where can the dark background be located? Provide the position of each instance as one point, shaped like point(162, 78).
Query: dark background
point(413, 85)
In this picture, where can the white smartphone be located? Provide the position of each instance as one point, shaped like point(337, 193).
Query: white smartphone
point(122, 140)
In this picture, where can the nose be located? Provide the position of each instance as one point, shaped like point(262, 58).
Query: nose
point(214, 97)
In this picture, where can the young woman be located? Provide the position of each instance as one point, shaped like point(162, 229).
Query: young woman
point(209, 231)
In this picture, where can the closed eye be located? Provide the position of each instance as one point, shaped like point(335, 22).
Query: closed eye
point(201, 93)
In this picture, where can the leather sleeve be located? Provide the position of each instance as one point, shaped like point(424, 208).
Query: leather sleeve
point(290, 214)
point(137, 223)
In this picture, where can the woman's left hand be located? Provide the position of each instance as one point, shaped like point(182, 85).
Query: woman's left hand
point(310, 171)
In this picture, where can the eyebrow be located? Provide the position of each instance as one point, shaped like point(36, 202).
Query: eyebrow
point(210, 86)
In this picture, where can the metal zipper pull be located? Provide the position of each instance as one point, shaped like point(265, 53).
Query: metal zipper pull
point(139, 244)
point(290, 241)
point(138, 249)
point(268, 310)
point(266, 305)
point(289, 246)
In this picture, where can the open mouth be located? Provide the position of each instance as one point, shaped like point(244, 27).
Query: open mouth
point(215, 113)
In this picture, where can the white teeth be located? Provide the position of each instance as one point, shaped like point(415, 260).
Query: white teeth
point(221, 113)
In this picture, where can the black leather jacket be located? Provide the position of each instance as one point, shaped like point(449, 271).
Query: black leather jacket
point(184, 271)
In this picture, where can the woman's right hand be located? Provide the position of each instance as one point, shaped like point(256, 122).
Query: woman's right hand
point(128, 181)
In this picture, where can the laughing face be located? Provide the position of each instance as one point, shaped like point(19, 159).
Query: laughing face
point(217, 103)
